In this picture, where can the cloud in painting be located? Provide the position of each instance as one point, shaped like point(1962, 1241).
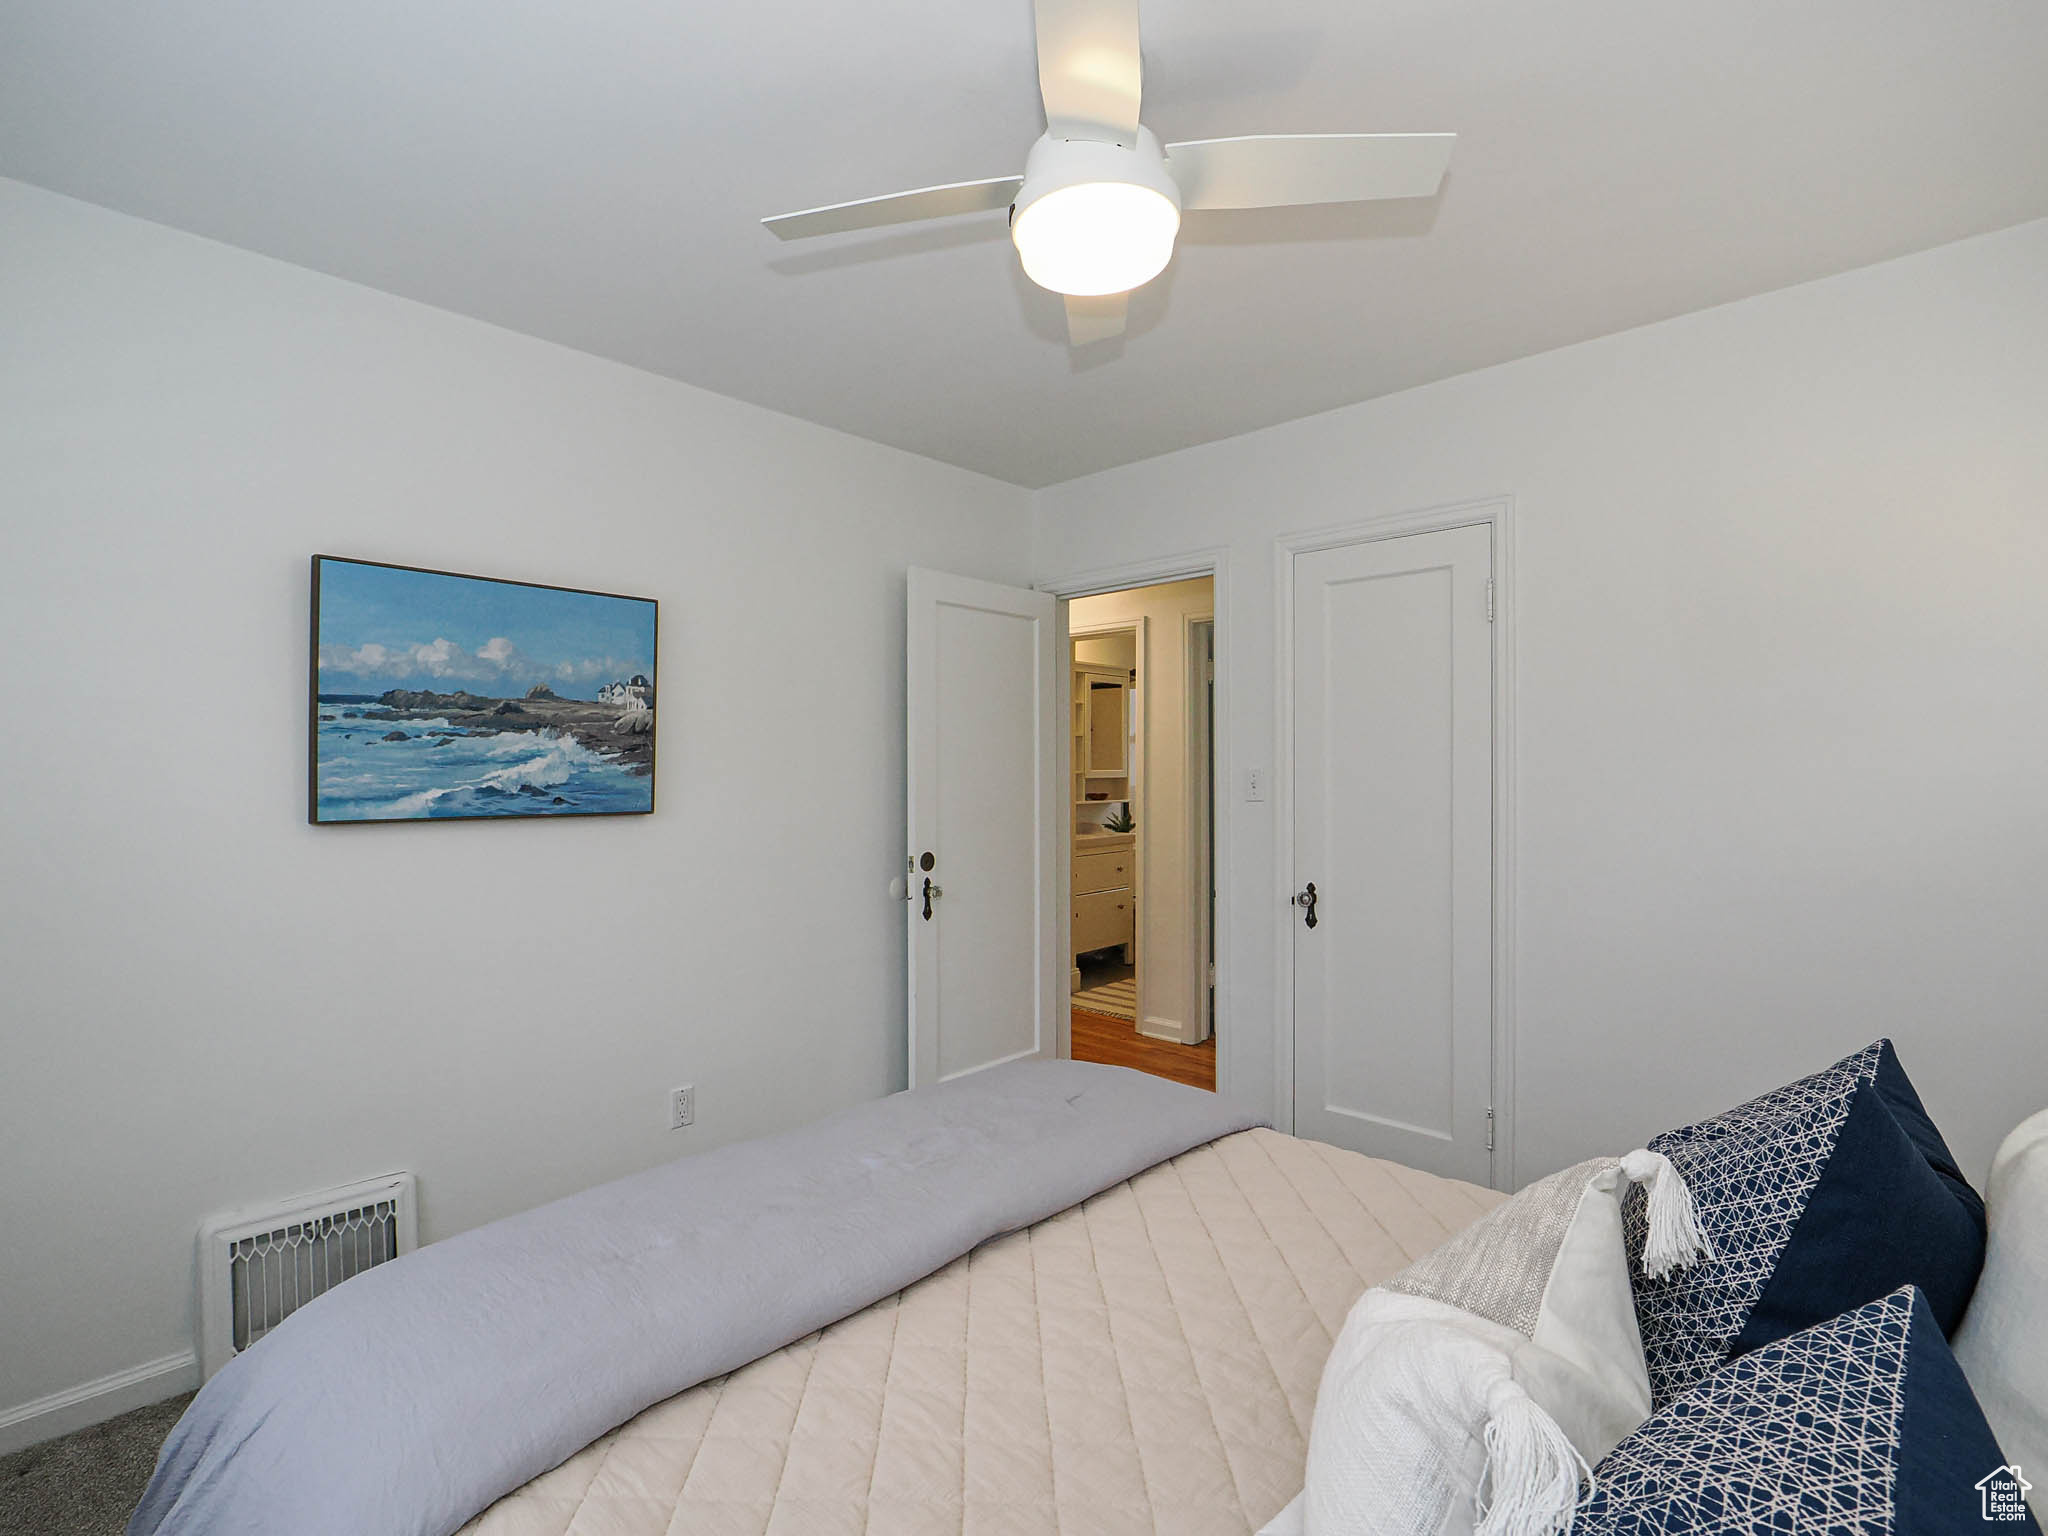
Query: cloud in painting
point(436, 658)
point(498, 665)
point(384, 627)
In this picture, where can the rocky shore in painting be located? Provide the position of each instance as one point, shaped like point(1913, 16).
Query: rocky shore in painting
point(626, 737)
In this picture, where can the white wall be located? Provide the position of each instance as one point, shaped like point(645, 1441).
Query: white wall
point(1112, 650)
point(1783, 702)
point(1169, 1001)
point(1783, 723)
point(205, 1000)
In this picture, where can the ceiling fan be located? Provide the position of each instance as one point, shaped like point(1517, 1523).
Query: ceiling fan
point(1096, 211)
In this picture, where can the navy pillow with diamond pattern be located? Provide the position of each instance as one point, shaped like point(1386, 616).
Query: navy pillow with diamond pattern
point(1861, 1426)
point(1825, 1194)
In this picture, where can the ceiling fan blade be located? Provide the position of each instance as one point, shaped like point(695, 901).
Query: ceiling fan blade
point(1095, 319)
point(1088, 69)
point(898, 208)
point(1280, 169)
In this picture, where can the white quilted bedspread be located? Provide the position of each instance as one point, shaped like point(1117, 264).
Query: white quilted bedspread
point(1145, 1362)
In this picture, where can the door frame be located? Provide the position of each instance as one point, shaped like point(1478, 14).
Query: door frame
point(1202, 806)
point(1137, 629)
point(1497, 515)
point(1191, 565)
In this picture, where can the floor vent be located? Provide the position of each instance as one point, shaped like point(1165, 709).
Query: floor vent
point(256, 1268)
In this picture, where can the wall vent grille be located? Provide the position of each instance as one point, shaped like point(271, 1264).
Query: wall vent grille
point(256, 1268)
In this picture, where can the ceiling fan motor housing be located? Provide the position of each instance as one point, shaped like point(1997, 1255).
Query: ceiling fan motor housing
point(1095, 218)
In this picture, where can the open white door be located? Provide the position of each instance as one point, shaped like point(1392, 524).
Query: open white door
point(986, 819)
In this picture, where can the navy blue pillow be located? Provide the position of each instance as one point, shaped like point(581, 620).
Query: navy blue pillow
point(1823, 1195)
point(1862, 1426)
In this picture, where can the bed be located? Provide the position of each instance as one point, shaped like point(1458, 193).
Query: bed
point(1145, 1361)
point(1052, 1297)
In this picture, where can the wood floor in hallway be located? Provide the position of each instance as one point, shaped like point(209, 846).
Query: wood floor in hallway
point(1116, 1042)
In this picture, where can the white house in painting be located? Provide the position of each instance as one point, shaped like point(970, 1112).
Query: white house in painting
point(635, 693)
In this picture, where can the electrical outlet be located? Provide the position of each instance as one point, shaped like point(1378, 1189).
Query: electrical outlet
point(682, 1106)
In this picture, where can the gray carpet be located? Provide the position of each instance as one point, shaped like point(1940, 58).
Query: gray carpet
point(85, 1484)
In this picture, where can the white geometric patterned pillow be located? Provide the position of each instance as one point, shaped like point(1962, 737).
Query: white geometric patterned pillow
point(1860, 1426)
point(1817, 1197)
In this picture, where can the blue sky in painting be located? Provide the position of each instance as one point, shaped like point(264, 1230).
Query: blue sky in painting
point(382, 628)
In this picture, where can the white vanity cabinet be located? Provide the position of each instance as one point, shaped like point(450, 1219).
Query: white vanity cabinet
point(1105, 891)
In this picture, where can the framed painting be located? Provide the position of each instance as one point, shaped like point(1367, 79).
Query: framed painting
point(437, 696)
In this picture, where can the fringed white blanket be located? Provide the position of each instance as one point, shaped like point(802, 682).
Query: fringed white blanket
point(1471, 1392)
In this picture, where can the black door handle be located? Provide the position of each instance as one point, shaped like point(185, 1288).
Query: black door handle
point(1306, 900)
point(930, 891)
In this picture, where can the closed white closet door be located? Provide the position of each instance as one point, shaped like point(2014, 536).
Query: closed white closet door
point(986, 819)
point(1393, 825)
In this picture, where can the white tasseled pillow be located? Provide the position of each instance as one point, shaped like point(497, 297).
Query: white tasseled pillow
point(1472, 1391)
point(2003, 1343)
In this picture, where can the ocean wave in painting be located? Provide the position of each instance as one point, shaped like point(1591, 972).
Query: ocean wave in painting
point(440, 770)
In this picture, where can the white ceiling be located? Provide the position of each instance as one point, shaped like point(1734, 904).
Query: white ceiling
point(592, 173)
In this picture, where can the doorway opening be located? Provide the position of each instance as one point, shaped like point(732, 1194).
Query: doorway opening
point(1142, 921)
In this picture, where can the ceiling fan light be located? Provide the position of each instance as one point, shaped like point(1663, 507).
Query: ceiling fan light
point(1099, 237)
point(1095, 218)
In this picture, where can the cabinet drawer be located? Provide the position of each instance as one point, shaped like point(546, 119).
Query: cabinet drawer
point(1102, 918)
point(1102, 871)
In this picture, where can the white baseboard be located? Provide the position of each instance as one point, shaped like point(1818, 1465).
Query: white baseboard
point(90, 1402)
point(1155, 1028)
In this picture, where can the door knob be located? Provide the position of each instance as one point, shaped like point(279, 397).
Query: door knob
point(1306, 900)
point(930, 891)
